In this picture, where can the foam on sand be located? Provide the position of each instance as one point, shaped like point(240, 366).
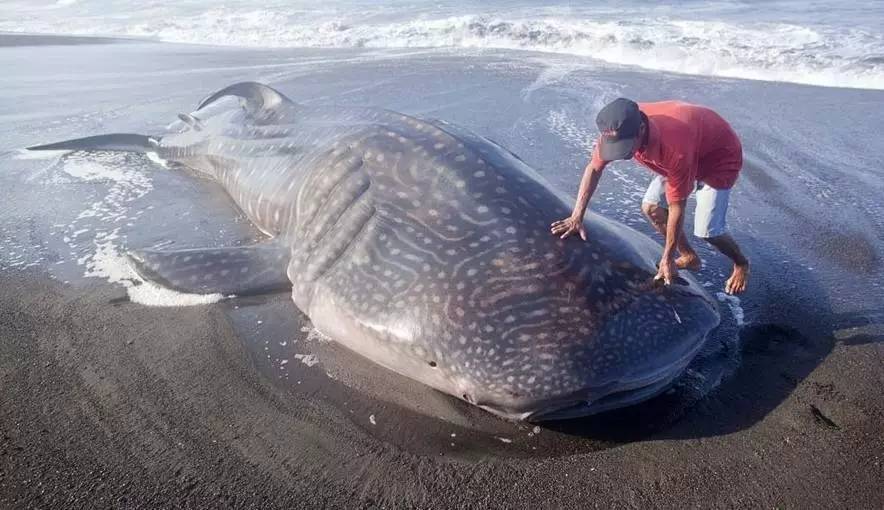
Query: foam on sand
point(733, 302)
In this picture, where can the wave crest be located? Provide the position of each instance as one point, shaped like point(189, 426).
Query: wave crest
point(819, 55)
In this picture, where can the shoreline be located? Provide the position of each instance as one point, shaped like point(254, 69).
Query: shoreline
point(24, 39)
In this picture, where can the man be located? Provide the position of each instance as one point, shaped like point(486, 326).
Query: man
point(691, 148)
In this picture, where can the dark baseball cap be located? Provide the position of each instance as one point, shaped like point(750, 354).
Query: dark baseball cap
point(618, 121)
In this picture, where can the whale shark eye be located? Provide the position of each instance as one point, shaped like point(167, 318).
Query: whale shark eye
point(433, 364)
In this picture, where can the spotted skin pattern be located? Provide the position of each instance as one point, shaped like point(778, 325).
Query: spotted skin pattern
point(426, 249)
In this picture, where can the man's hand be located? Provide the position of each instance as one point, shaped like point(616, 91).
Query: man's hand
point(668, 271)
point(568, 226)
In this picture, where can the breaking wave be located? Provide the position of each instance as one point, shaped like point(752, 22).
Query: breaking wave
point(817, 54)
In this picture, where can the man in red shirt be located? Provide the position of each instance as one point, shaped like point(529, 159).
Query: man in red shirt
point(691, 148)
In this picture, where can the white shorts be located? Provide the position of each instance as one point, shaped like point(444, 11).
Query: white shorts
point(710, 213)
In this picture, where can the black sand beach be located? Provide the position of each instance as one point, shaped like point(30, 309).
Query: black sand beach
point(108, 403)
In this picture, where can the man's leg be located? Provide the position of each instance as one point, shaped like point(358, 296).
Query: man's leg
point(710, 224)
point(740, 275)
point(656, 209)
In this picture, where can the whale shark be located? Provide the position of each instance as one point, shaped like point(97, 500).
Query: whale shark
point(424, 247)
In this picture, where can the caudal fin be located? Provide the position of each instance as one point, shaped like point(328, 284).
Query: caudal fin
point(124, 142)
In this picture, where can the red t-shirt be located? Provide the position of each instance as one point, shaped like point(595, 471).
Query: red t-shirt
point(687, 143)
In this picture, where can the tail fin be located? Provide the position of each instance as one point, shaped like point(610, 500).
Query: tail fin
point(125, 142)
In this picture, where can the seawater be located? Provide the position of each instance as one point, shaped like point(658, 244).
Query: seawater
point(837, 44)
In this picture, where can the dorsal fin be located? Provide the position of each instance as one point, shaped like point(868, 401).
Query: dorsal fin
point(255, 97)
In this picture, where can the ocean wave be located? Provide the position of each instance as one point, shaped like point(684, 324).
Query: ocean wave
point(816, 55)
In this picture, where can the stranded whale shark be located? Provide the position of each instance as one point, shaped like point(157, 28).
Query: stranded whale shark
point(425, 248)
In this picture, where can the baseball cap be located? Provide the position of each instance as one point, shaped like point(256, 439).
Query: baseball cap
point(618, 121)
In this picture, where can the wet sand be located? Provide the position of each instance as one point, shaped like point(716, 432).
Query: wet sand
point(121, 405)
point(108, 403)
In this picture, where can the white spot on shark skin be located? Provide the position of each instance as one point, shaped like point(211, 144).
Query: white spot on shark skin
point(503, 439)
point(372, 420)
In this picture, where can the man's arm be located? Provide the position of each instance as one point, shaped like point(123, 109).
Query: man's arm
point(673, 227)
point(588, 184)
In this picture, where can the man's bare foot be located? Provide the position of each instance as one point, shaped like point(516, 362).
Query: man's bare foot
point(736, 284)
point(690, 262)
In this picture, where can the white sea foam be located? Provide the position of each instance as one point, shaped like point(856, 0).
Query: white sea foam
point(106, 170)
point(731, 40)
point(307, 359)
point(733, 302)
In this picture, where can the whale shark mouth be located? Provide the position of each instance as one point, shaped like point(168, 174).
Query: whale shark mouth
point(595, 400)
point(614, 400)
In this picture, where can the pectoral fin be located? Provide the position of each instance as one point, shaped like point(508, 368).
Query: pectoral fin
point(241, 271)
